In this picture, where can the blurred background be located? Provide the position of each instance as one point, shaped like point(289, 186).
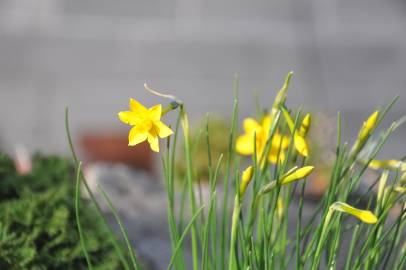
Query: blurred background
point(93, 55)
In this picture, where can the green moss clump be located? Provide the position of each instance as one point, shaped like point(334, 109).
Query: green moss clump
point(37, 219)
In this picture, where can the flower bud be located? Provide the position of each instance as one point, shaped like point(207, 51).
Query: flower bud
point(363, 215)
point(301, 145)
point(368, 126)
point(246, 179)
point(283, 91)
point(296, 175)
point(305, 126)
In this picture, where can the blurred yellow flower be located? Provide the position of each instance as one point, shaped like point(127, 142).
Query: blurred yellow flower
point(245, 143)
point(363, 215)
point(388, 164)
point(146, 124)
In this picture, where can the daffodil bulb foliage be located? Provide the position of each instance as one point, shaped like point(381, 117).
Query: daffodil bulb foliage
point(146, 124)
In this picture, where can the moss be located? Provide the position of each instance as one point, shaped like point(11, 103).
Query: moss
point(37, 221)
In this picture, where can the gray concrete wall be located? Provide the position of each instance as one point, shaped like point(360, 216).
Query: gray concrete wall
point(94, 54)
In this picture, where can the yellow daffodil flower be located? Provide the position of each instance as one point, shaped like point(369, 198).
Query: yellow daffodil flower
point(146, 124)
point(363, 215)
point(246, 179)
point(245, 143)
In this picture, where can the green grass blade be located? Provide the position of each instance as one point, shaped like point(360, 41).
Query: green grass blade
point(77, 209)
point(122, 227)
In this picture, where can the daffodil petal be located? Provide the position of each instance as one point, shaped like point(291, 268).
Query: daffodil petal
point(153, 140)
point(136, 136)
point(137, 107)
point(250, 125)
point(266, 125)
point(155, 112)
point(163, 130)
point(245, 144)
point(127, 117)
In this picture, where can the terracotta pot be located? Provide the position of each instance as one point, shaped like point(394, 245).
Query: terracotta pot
point(113, 147)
